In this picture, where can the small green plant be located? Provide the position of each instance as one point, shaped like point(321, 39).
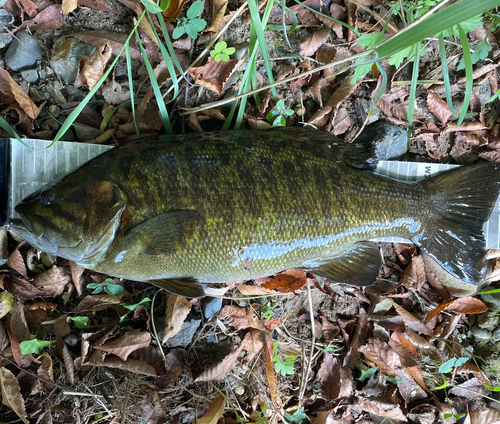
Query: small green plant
point(81, 323)
point(267, 311)
point(108, 286)
point(260, 416)
point(34, 346)
point(277, 116)
point(135, 305)
point(191, 25)
point(222, 52)
point(283, 366)
point(298, 416)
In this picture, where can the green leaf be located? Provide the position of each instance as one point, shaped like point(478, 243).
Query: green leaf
point(447, 366)
point(34, 346)
point(220, 46)
point(361, 71)
point(198, 24)
point(114, 289)
point(285, 367)
point(279, 122)
point(493, 388)
point(81, 322)
point(134, 307)
point(298, 417)
point(179, 31)
point(195, 9)
point(229, 50)
point(397, 59)
point(289, 112)
point(461, 361)
point(370, 40)
point(365, 374)
point(152, 6)
point(164, 4)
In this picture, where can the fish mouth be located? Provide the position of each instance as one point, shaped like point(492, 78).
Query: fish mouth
point(22, 227)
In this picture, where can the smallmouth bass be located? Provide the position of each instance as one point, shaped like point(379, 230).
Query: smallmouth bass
point(237, 205)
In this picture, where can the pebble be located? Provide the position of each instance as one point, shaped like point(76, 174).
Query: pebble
point(29, 75)
point(363, 108)
point(85, 132)
point(23, 52)
point(7, 21)
point(66, 55)
point(480, 333)
point(185, 335)
point(211, 306)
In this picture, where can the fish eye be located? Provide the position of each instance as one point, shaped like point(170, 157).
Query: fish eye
point(46, 198)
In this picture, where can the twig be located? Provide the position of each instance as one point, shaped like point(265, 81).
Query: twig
point(313, 339)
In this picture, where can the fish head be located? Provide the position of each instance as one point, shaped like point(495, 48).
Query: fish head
point(76, 221)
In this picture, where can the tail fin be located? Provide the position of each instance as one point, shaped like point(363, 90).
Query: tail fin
point(462, 201)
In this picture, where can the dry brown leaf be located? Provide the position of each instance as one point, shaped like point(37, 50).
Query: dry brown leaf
point(30, 8)
point(68, 6)
point(132, 365)
point(97, 302)
point(287, 282)
point(218, 12)
point(328, 331)
point(16, 262)
point(178, 309)
point(463, 305)
point(239, 316)
point(53, 281)
point(423, 345)
point(342, 93)
point(471, 389)
point(412, 322)
point(325, 417)
point(174, 9)
point(18, 332)
point(93, 67)
point(416, 373)
point(328, 374)
point(77, 277)
point(414, 274)
point(46, 371)
point(253, 345)
point(342, 122)
point(153, 410)
point(382, 409)
point(402, 346)
point(11, 394)
point(123, 346)
point(358, 339)
point(466, 126)
point(12, 89)
point(68, 363)
point(438, 107)
point(484, 416)
point(310, 44)
point(382, 355)
point(50, 18)
point(270, 376)
point(252, 289)
point(96, 38)
point(218, 372)
point(102, 6)
point(214, 412)
point(214, 74)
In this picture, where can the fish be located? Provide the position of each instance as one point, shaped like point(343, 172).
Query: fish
point(180, 211)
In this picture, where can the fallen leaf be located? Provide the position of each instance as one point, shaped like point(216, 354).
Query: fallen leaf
point(218, 371)
point(270, 376)
point(342, 122)
point(252, 289)
point(17, 95)
point(116, 40)
point(238, 315)
point(484, 416)
point(218, 12)
point(382, 409)
point(11, 394)
point(414, 275)
point(382, 355)
point(328, 330)
point(93, 67)
point(358, 339)
point(132, 365)
point(30, 8)
point(50, 18)
point(100, 6)
point(328, 374)
point(214, 74)
point(438, 107)
point(77, 277)
point(416, 373)
point(310, 44)
point(46, 371)
point(254, 344)
point(466, 126)
point(412, 322)
point(152, 409)
point(462, 305)
point(53, 281)
point(214, 412)
point(97, 302)
point(68, 363)
point(68, 6)
point(174, 9)
point(287, 282)
point(471, 389)
point(178, 309)
point(123, 346)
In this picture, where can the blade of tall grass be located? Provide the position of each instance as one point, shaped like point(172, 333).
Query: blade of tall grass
point(446, 76)
point(432, 25)
point(469, 80)
point(413, 92)
point(156, 89)
point(131, 90)
point(171, 53)
point(76, 112)
point(5, 125)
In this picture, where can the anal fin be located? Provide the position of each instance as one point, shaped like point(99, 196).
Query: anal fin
point(187, 287)
point(359, 265)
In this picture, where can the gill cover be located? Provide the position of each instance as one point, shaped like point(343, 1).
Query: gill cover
point(77, 221)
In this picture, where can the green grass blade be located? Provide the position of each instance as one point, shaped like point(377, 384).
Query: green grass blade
point(131, 88)
point(413, 92)
point(468, 74)
point(76, 112)
point(156, 88)
point(434, 24)
point(446, 74)
point(6, 126)
point(171, 52)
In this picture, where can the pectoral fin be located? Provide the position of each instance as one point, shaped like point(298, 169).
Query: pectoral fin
point(359, 265)
point(164, 234)
point(187, 287)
